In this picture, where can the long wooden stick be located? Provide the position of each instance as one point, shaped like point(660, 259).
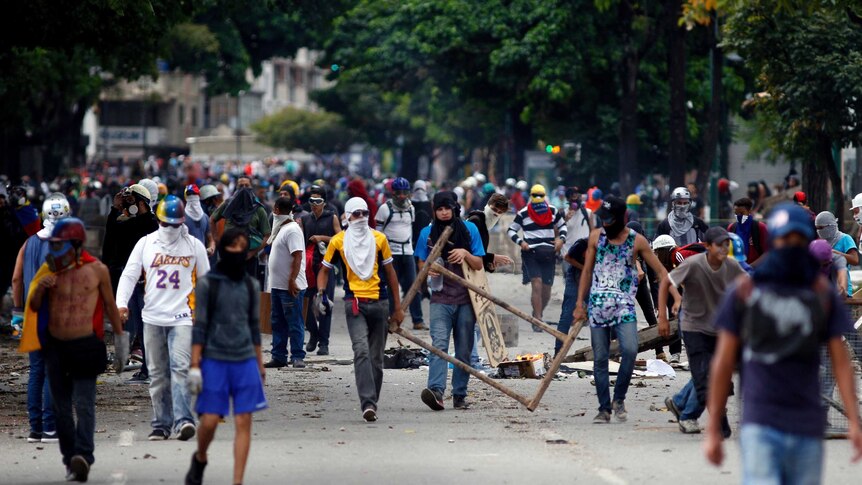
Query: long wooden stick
point(484, 294)
point(423, 273)
point(466, 368)
point(555, 365)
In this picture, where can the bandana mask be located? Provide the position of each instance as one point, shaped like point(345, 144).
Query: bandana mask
point(63, 258)
point(828, 233)
point(680, 210)
point(741, 219)
point(858, 218)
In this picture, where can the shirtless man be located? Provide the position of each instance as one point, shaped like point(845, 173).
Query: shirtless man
point(72, 291)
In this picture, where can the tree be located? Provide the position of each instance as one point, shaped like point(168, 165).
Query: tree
point(296, 129)
point(808, 65)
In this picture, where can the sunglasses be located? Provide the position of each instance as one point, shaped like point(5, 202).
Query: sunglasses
point(537, 195)
point(316, 201)
point(360, 213)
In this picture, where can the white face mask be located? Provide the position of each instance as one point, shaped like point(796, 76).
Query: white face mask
point(359, 225)
point(169, 234)
point(282, 218)
point(491, 218)
point(858, 218)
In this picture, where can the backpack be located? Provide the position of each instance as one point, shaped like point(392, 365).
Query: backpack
point(682, 253)
point(392, 211)
point(755, 235)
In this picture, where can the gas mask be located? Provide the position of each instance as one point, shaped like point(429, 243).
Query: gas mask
point(62, 255)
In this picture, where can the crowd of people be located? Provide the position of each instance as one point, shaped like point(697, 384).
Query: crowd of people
point(188, 255)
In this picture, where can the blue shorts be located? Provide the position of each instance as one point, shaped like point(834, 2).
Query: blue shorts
point(225, 381)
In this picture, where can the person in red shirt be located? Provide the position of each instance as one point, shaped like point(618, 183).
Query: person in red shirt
point(755, 237)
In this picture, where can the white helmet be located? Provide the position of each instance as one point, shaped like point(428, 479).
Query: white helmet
point(480, 178)
point(857, 201)
point(521, 185)
point(469, 182)
point(663, 241)
point(153, 188)
point(56, 207)
point(680, 193)
point(510, 182)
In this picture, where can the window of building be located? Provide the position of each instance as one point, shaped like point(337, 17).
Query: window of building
point(194, 116)
point(182, 115)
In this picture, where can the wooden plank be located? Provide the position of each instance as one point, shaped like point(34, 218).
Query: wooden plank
point(486, 317)
point(466, 368)
point(648, 338)
point(555, 365)
point(266, 313)
point(535, 321)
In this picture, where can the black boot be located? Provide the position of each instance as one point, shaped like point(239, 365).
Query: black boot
point(195, 476)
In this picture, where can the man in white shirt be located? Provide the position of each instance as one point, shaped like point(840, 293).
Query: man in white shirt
point(395, 220)
point(579, 219)
point(171, 261)
point(287, 284)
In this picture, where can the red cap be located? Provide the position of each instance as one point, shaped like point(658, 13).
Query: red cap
point(800, 197)
point(723, 185)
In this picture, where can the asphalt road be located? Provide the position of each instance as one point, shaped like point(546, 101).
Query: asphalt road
point(313, 432)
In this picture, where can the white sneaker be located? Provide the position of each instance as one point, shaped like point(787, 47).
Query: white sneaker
point(187, 431)
point(674, 358)
point(689, 426)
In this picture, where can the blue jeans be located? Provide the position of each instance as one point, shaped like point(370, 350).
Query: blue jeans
point(567, 315)
point(773, 457)
point(135, 324)
point(405, 269)
point(169, 354)
point(459, 322)
point(40, 406)
point(687, 403)
point(627, 335)
point(287, 324)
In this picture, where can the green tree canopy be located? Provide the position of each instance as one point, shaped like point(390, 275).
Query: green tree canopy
point(296, 129)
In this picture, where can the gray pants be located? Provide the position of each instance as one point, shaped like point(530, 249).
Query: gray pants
point(368, 333)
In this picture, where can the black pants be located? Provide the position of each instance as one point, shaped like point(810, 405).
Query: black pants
point(700, 349)
point(644, 300)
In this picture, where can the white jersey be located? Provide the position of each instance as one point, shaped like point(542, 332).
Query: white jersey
point(169, 297)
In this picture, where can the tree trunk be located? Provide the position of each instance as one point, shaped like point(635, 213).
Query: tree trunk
point(827, 161)
point(676, 73)
point(628, 129)
point(410, 153)
point(713, 128)
point(815, 182)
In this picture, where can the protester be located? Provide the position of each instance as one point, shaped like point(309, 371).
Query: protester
point(421, 208)
point(704, 278)
point(197, 221)
point(364, 252)
point(684, 227)
point(574, 259)
point(633, 207)
point(664, 248)
point(517, 200)
point(777, 322)
point(226, 363)
point(318, 227)
point(832, 265)
point(544, 233)
point(130, 219)
point(287, 284)
point(643, 295)
point(395, 220)
point(843, 244)
point(12, 237)
point(30, 258)
point(755, 239)
point(737, 252)
point(66, 304)
point(245, 212)
point(172, 262)
point(610, 278)
point(451, 309)
point(579, 219)
point(356, 188)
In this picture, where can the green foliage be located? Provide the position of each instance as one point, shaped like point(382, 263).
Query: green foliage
point(296, 129)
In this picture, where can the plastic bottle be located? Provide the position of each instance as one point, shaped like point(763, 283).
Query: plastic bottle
point(435, 283)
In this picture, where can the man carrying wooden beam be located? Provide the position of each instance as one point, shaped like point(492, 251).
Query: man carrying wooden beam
point(451, 310)
point(611, 279)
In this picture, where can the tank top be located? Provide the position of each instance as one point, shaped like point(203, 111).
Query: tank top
point(615, 283)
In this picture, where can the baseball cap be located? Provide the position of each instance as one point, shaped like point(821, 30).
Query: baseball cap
point(800, 197)
point(611, 208)
point(786, 218)
point(716, 235)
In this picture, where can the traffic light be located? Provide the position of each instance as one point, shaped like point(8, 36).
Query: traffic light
point(549, 148)
point(335, 67)
point(556, 149)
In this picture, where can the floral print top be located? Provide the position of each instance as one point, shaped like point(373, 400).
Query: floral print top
point(615, 283)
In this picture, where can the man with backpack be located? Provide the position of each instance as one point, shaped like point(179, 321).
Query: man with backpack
point(683, 226)
point(245, 212)
point(395, 220)
point(753, 233)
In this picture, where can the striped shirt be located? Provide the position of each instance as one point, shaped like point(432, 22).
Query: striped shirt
point(534, 234)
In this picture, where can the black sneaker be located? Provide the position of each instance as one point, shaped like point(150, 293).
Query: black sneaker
point(298, 364)
point(311, 345)
point(79, 469)
point(50, 437)
point(187, 432)
point(460, 402)
point(323, 350)
point(195, 475)
point(725, 427)
point(35, 437)
point(158, 435)
point(275, 364)
point(369, 415)
point(139, 378)
point(433, 399)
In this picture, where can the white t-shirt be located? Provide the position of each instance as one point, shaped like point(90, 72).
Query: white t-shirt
point(399, 231)
point(169, 292)
point(577, 227)
point(288, 241)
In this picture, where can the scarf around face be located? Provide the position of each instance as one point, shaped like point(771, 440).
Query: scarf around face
point(460, 238)
point(540, 213)
point(743, 230)
point(360, 249)
point(193, 207)
point(241, 207)
point(679, 226)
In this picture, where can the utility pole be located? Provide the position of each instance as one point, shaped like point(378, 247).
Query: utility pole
point(238, 127)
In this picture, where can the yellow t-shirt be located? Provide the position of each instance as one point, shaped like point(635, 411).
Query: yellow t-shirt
point(369, 288)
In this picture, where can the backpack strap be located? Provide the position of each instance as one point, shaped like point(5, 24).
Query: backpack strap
point(586, 219)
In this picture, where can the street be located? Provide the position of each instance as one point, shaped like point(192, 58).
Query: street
point(313, 431)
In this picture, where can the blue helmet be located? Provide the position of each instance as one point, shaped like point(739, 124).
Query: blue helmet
point(737, 248)
point(171, 210)
point(788, 217)
point(400, 183)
